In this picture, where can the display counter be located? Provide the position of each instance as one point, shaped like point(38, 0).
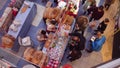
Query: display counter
point(25, 17)
point(55, 47)
point(23, 21)
point(6, 19)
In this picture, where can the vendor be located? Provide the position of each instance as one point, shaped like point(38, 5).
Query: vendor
point(103, 25)
point(41, 36)
point(51, 26)
point(95, 13)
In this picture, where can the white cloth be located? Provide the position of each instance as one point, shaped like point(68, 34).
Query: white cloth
point(62, 4)
point(29, 66)
point(26, 41)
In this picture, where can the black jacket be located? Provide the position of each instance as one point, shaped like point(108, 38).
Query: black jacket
point(95, 13)
point(79, 45)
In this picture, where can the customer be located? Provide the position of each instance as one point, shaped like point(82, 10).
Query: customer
point(76, 44)
point(102, 26)
point(97, 42)
point(87, 4)
point(81, 24)
point(41, 36)
point(74, 54)
point(90, 30)
point(95, 13)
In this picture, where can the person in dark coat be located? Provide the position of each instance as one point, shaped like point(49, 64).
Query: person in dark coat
point(77, 41)
point(83, 1)
point(102, 26)
point(74, 54)
point(95, 12)
point(76, 44)
point(81, 24)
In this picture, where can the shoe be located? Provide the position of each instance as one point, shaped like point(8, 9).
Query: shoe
point(89, 51)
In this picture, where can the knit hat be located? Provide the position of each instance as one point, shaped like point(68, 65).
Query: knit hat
point(106, 20)
point(75, 34)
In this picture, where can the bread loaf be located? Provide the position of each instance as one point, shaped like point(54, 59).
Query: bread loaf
point(42, 62)
point(7, 41)
point(28, 53)
point(36, 58)
point(55, 13)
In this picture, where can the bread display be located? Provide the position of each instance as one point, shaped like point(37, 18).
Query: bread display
point(43, 59)
point(55, 13)
point(67, 27)
point(47, 13)
point(36, 58)
point(28, 53)
point(52, 13)
point(67, 19)
point(7, 41)
point(64, 18)
point(70, 19)
point(46, 60)
point(58, 17)
point(47, 43)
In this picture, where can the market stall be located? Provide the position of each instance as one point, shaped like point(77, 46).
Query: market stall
point(56, 44)
point(72, 6)
point(22, 22)
point(54, 48)
point(6, 19)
